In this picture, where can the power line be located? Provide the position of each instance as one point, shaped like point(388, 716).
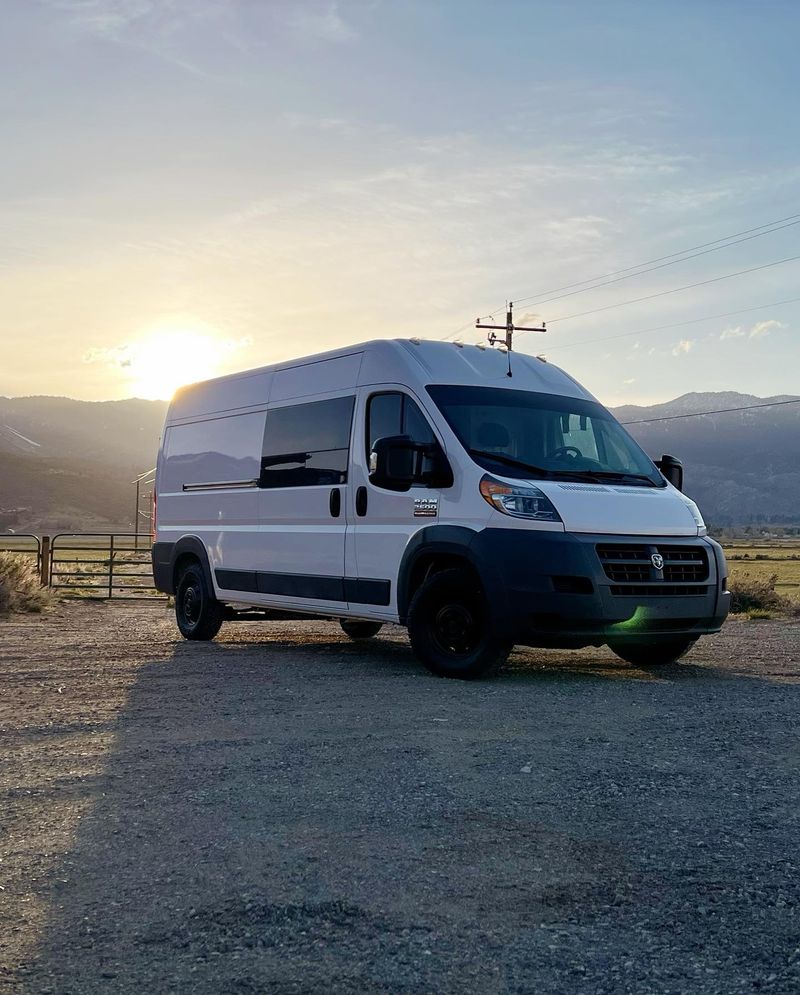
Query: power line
point(651, 269)
point(674, 324)
point(703, 245)
point(719, 411)
point(674, 290)
point(650, 262)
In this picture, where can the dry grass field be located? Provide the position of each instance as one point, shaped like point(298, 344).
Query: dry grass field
point(762, 560)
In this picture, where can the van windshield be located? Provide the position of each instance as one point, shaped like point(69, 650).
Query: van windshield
point(520, 433)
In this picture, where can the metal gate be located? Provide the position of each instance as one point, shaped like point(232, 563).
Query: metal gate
point(23, 544)
point(102, 565)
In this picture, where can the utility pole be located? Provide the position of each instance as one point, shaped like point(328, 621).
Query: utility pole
point(509, 328)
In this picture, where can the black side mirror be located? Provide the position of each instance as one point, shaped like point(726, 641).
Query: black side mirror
point(397, 462)
point(672, 469)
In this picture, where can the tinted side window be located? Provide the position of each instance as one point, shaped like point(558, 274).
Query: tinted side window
point(307, 444)
point(396, 414)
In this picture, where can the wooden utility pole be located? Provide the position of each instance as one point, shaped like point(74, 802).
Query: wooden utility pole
point(509, 328)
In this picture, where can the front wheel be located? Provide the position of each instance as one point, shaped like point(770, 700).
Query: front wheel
point(448, 625)
point(197, 611)
point(657, 653)
point(360, 628)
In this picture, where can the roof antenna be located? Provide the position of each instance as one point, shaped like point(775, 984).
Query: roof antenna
point(509, 328)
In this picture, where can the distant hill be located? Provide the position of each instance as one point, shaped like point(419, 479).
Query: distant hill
point(741, 467)
point(67, 464)
point(116, 432)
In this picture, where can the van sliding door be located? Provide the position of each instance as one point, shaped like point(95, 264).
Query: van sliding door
point(303, 503)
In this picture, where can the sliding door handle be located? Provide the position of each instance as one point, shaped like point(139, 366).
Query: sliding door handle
point(361, 502)
point(335, 502)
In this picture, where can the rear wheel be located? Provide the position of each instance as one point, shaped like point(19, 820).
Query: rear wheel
point(197, 611)
point(657, 653)
point(448, 625)
point(360, 628)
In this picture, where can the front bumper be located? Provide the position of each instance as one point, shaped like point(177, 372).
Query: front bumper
point(553, 588)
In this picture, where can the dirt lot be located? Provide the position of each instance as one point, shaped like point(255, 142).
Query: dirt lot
point(284, 811)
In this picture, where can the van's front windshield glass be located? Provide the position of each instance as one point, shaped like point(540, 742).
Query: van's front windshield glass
point(520, 433)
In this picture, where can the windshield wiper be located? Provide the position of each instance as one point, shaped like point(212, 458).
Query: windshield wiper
point(509, 461)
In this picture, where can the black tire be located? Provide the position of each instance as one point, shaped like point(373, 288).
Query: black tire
point(360, 628)
point(197, 611)
point(448, 625)
point(656, 653)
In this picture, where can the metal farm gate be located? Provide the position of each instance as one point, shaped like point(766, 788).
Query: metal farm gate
point(23, 544)
point(101, 565)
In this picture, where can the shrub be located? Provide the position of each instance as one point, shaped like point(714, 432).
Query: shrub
point(20, 589)
point(757, 594)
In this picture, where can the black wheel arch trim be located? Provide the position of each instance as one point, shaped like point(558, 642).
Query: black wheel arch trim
point(447, 540)
point(167, 554)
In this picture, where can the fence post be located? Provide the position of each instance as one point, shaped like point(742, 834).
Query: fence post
point(111, 568)
point(44, 562)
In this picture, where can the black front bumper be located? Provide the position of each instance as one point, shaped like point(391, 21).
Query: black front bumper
point(553, 589)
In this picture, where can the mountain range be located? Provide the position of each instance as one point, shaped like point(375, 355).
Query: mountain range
point(68, 465)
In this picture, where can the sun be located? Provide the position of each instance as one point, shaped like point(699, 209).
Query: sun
point(165, 359)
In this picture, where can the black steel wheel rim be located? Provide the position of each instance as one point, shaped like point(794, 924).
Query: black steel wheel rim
point(455, 629)
point(192, 603)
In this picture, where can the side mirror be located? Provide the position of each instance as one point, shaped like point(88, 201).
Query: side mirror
point(672, 469)
point(397, 462)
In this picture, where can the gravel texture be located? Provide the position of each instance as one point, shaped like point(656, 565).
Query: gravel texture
point(285, 811)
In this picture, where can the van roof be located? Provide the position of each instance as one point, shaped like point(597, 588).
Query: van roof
point(415, 363)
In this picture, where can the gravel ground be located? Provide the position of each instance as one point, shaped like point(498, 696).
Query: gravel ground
point(285, 811)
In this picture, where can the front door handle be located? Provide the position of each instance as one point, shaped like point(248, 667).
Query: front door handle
point(361, 502)
point(335, 502)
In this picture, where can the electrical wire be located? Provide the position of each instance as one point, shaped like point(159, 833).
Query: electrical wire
point(674, 324)
point(719, 411)
point(651, 269)
point(639, 267)
point(674, 290)
point(650, 262)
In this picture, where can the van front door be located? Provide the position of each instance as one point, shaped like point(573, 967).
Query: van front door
point(303, 503)
point(384, 520)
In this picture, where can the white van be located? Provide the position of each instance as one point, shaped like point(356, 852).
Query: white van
point(416, 482)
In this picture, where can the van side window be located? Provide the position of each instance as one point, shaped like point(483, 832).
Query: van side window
point(395, 414)
point(307, 444)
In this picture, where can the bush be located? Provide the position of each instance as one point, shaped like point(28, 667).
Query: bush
point(20, 589)
point(757, 594)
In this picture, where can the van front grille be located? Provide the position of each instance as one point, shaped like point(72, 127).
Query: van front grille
point(632, 563)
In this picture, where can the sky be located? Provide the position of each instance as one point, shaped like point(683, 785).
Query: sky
point(192, 187)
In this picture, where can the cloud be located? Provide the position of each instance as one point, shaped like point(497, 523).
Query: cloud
point(758, 330)
point(765, 327)
point(319, 22)
point(682, 347)
point(629, 381)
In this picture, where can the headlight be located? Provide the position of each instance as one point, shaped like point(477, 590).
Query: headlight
point(698, 518)
point(519, 500)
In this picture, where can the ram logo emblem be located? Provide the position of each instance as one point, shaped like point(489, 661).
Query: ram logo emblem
point(657, 560)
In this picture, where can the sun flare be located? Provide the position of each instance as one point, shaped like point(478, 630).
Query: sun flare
point(168, 358)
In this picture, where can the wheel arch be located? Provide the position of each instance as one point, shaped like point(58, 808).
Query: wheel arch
point(186, 549)
point(437, 548)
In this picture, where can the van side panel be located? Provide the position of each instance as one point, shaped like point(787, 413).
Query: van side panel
point(208, 486)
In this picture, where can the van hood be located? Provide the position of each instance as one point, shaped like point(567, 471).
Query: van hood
point(621, 510)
